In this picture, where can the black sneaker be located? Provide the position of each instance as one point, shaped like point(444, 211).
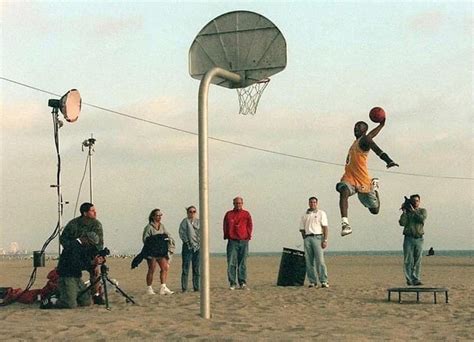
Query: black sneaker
point(417, 283)
point(98, 300)
point(46, 304)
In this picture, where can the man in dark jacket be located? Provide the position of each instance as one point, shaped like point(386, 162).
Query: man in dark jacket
point(413, 220)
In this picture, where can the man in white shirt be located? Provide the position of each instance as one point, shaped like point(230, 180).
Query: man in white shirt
point(314, 230)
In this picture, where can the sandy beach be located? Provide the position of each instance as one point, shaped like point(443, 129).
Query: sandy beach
point(355, 307)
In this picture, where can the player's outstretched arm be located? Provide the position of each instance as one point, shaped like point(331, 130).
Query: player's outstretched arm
point(382, 155)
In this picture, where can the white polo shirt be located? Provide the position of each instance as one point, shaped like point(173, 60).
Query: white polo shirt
point(313, 221)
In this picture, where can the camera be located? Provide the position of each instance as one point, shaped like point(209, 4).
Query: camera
point(407, 204)
point(104, 252)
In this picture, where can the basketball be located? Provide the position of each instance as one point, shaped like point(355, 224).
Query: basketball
point(377, 114)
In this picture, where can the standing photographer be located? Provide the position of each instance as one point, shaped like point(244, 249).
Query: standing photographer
point(75, 258)
point(413, 219)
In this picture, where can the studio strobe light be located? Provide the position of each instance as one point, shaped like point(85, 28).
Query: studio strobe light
point(70, 106)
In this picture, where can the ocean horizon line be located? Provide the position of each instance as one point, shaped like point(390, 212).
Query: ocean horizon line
point(450, 252)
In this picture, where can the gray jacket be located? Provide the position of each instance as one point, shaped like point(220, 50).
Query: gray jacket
point(190, 233)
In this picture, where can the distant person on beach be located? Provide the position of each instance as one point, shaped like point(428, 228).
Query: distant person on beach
point(158, 235)
point(76, 228)
point(75, 258)
point(413, 220)
point(314, 230)
point(431, 252)
point(356, 177)
point(190, 234)
point(238, 230)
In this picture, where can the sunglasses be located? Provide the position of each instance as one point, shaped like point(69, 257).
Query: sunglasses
point(192, 211)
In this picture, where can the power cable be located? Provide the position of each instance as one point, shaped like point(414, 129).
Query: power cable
point(235, 143)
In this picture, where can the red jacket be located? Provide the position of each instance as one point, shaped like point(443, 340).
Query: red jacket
point(238, 225)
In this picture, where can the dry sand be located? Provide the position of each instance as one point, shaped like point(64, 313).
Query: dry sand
point(355, 307)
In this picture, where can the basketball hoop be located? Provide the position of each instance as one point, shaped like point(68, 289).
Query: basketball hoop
point(250, 96)
point(235, 49)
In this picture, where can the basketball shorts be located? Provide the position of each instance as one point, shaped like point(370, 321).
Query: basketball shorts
point(368, 199)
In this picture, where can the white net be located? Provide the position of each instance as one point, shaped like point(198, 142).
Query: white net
point(250, 96)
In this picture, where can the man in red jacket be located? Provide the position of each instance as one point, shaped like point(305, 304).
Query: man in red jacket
point(238, 231)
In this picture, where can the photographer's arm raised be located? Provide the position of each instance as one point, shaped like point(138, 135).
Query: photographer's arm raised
point(403, 219)
point(420, 215)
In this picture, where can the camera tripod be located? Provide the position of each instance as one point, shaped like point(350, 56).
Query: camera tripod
point(105, 278)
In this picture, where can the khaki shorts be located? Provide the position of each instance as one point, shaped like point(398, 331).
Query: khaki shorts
point(368, 199)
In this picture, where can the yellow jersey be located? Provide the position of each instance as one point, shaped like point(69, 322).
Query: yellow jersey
point(356, 171)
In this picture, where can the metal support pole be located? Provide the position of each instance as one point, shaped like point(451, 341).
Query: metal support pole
point(91, 148)
point(57, 125)
point(90, 174)
point(203, 180)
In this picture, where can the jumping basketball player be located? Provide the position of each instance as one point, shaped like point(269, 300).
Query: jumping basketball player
point(356, 177)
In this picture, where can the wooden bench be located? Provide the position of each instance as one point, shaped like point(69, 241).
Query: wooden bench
point(418, 290)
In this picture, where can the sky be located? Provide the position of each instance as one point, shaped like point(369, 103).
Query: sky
point(414, 59)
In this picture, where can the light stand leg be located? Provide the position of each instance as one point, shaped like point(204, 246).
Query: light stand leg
point(104, 283)
point(105, 278)
point(121, 291)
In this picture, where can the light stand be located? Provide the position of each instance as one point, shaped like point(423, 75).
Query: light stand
point(70, 107)
point(89, 143)
point(57, 124)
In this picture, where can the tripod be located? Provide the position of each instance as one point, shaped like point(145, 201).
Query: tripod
point(105, 278)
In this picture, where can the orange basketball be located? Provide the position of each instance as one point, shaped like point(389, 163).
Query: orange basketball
point(377, 114)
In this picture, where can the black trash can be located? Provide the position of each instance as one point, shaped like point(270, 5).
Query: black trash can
point(292, 268)
point(38, 259)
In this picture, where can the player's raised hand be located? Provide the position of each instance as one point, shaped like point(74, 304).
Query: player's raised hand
point(392, 164)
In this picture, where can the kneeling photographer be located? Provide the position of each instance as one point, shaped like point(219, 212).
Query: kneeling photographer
point(79, 226)
point(78, 255)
